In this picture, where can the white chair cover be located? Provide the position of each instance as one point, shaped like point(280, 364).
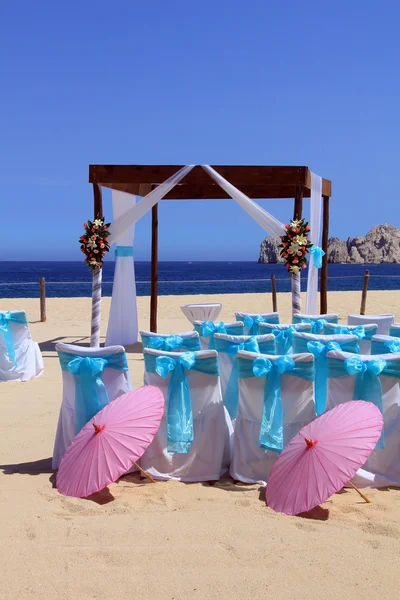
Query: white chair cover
point(383, 321)
point(370, 329)
point(250, 462)
point(303, 317)
point(395, 330)
point(201, 312)
point(266, 318)
point(383, 465)
point(116, 383)
point(210, 452)
point(28, 361)
point(265, 328)
point(385, 344)
point(235, 328)
point(227, 361)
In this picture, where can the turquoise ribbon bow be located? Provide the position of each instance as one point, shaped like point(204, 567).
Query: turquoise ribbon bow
point(171, 343)
point(180, 432)
point(121, 251)
point(391, 346)
point(5, 330)
point(251, 323)
point(284, 339)
point(208, 328)
point(317, 324)
point(368, 386)
point(271, 428)
point(394, 331)
point(317, 253)
point(90, 391)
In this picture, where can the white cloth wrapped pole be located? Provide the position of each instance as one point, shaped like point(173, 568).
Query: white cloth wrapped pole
point(261, 216)
point(96, 308)
point(296, 298)
point(124, 222)
point(123, 321)
point(315, 238)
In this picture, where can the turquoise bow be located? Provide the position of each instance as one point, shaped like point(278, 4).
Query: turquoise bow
point(317, 253)
point(208, 328)
point(320, 351)
point(251, 324)
point(284, 339)
point(5, 319)
point(379, 347)
point(170, 343)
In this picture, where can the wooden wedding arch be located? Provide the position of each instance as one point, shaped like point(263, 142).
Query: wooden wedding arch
point(254, 181)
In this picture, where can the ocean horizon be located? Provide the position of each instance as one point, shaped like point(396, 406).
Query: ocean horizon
point(73, 278)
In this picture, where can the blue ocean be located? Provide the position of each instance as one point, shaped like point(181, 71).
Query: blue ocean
point(73, 279)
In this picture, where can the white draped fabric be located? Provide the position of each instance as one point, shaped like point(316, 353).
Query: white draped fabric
point(123, 321)
point(315, 238)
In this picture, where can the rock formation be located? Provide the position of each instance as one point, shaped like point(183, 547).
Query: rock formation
point(380, 245)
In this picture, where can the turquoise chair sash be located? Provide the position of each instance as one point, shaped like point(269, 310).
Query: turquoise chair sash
point(394, 331)
point(121, 251)
point(5, 330)
point(251, 323)
point(317, 324)
point(90, 391)
point(170, 343)
point(271, 429)
point(208, 329)
point(231, 396)
point(359, 331)
point(389, 346)
point(284, 339)
point(320, 350)
point(368, 386)
point(180, 432)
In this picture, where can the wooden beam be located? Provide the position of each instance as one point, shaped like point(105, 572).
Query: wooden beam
point(298, 203)
point(324, 270)
point(98, 200)
point(154, 268)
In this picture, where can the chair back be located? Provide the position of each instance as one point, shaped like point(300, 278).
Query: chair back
point(376, 378)
point(317, 321)
point(252, 320)
point(385, 344)
point(394, 330)
point(180, 342)
point(384, 322)
point(284, 334)
point(20, 357)
point(363, 332)
point(207, 329)
point(92, 377)
point(264, 393)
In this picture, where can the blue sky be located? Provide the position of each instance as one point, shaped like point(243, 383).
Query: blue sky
point(218, 82)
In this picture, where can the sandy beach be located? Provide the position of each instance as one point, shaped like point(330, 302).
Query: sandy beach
point(171, 540)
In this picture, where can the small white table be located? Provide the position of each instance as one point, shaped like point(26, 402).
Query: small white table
point(201, 312)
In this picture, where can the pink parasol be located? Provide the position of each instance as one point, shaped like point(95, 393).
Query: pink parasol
point(323, 457)
point(111, 442)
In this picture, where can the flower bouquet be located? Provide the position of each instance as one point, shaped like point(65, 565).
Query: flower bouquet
point(295, 245)
point(94, 244)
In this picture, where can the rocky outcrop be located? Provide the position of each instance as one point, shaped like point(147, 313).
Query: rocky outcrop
point(380, 245)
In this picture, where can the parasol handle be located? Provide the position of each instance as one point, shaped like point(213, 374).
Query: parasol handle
point(367, 500)
point(144, 472)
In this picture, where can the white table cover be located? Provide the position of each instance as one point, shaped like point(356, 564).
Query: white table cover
point(201, 312)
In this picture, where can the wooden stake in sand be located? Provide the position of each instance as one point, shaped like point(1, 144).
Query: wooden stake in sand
point(144, 473)
point(367, 500)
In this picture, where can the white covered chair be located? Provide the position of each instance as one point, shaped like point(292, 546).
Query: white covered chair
point(227, 347)
point(180, 342)
point(319, 346)
point(394, 330)
point(252, 320)
point(375, 379)
point(92, 377)
point(284, 334)
point(20, 356)
point(264, 425)
point(385, 344)
point(201, 312)
point(194, 440)
point(384, 322)
point(206, 330)
point(363, 332)
point(317, 321)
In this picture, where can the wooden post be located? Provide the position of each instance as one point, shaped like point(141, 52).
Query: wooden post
point(98, 201)
point(154, 268)
point(324, 270)
point(364, 292)
point(42, 283)
point(273, 288)
point(298, 203)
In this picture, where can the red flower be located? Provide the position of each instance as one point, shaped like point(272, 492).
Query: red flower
point(304, 266)
point(96, 251)
point(295, 260)
point(93, 237)
point(85, 225)
point(307, 228)
point(287, 226)
point(287, 265)
point(290, 251)
point(105, 239)
point(299, 253)
point(285, 254)
point(92, 228)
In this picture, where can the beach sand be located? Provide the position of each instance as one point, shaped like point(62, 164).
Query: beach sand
point(171, 540)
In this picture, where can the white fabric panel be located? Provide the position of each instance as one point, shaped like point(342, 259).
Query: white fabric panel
point(27, 354)
point(209, 456)
point(123, 320)
point(116, 383)
point(365, 345)
point(258, 214)
point(315, 238)
point(241, 316)
point(250, 462)
point(383, 466)
point(383, 321)
point(124, 222)
point(201, 312)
